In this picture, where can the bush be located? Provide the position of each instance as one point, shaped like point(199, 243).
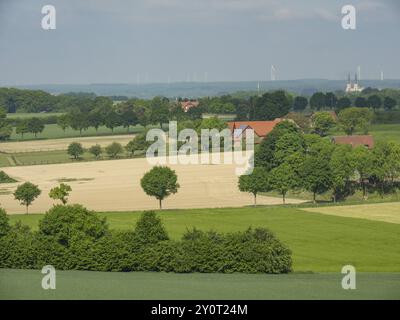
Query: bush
point(4, 224)
point(63, 223)
point(17, 248)
point(114, 149)
point(149, 229)
point(73, 238)
point(5, 178)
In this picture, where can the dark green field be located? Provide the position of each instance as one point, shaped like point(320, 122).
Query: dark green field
point(26, 284)
point(320, 243)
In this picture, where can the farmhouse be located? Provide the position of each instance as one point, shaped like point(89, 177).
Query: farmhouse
point(366, 140)
point(261, 128)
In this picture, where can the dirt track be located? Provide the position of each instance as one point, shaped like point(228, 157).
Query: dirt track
point(115, 186)
point(61, 144)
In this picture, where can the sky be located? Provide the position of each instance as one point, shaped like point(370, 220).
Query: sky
point(126, 41)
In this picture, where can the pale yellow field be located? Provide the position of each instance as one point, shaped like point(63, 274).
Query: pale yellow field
point(387, 212)
point(115, 186)
point(61, 144)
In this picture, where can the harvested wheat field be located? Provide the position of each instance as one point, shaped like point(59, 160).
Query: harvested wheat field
point(387, 212)
point(114, 185)
point(61, 144)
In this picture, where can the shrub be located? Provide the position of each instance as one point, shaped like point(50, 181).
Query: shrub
point(114, 149)
point(96, 150)
point(73, 238)
point(17, 248)
point(4, 224)
point(62, 223)
point(5, 178)
point(149, 229)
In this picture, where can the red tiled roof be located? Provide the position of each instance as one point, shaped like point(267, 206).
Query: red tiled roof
point(355, 141)
point(261, 128)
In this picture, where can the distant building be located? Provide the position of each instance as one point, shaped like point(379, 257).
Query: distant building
point(353, 86)
point(261, 128)
point(187, 105)
point(355, 141)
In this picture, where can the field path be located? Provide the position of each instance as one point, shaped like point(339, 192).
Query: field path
point(114, 185)
point(61, 144)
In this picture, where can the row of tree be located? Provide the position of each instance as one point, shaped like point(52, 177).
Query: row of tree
point(113, 150)
point(329, 100)
point(288, 160)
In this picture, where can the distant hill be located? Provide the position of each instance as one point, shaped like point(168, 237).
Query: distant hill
point(201, 89)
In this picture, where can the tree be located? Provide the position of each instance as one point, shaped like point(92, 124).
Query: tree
point(283, 179)
point(270, 106)
point(78, 120)
point(112, 120)
point(95, 119)
point(61, 193)
point(300, 103)
point(386, 166)
point(318, 101)
point(159, 110)
point(342, 168)
point(254, 183)
point(22, 128)
point(138, 143)
point(389, 103)
point(364, 165)
point(127, 114)
point(265, 153)
point(330, 100)
point(160, 182)
point(96, 150)
point(322, 122)
point(374, 102)
point(63, 122)
point(316, 175)
point(287, 145)
point(26, 193)
point(352, 119)
point(5, 127)
point(75, 150)
point(361, 102)
point(343, 103)
point(114, 149)
point(35, 125)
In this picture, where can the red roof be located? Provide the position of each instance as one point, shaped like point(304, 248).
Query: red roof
point(261, 128)
point(355, 141)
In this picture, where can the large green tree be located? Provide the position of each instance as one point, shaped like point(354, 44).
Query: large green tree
point(26, 193)
point(322, 123)
point(352, 119)
point(318, 101)
point(254, 183)
point(316, 175)
point(160, 182)
point(300, 103)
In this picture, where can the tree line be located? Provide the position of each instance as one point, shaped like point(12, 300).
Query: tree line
point(289, 160)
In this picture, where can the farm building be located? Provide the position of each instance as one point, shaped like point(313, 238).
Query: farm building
point(261, 128)
point(365, 140)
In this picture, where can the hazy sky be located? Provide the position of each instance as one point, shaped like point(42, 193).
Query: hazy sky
point(114, 41)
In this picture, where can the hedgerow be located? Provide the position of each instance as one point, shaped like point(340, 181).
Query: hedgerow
point(73, 238)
